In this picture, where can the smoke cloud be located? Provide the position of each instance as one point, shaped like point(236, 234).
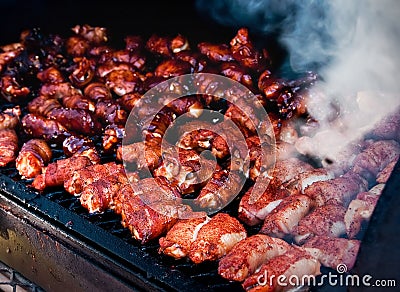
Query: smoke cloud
point(355, 44)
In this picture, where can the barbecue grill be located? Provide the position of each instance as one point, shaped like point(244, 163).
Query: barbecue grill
point(52, 240)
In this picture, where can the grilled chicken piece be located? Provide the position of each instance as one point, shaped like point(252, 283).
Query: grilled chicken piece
point(301, 181)
point(99, 195)
point(253, 213)
point(185, 169)
point(180, 237)
point(8, 146)
point(284, 218)
point(58, 172)
point(327, 220)
point(360, 210)
point(197, 139)
point(40, 127)
point(58, 90)
point(150, 207)
point(33, 157)
point(249, 254)
point(9, 118)
point(82, 146)
point(78, 101)
point(216, 52)
point(388, 128)
point(143, 154)
point(12, 90)
point(375, 158)
point(295, 262)
point(82, 177)
point(172, 68)
point(338, 191)
point(332, 252)
point(216, 238)
point(384, 175)
point(268, 192)
point(50, 75)
point(221, 189)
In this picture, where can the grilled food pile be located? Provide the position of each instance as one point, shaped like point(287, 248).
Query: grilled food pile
point(75, 94)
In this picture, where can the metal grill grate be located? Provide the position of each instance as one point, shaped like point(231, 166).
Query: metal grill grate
point(11, 280)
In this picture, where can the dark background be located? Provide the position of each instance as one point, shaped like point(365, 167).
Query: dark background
point(120, 17)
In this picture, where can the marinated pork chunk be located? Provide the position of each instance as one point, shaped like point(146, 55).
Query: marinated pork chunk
point(33, 157)
point(295, 262)
point(185, 168)
point(258, 203)
point(180, 237)
point(220, 190)
point(301, 181)
point(56, 173)
point(216, 238)
point(99, 195)
point(375, 158)
point(284, 218)
point(340, 190)
point(9, 120)
point(8, 146)
point(40, 127)
point(332, 252)
point(327, 220)
point(249, 254)
point(149, 208)
point(360, 210)
point(82, 177)
point(384, 175)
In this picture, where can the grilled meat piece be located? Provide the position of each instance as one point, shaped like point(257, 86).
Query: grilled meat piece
point(33, 157)
point(221, 189)
point(76, 120)
point(76, 145)
point(178, 240)
point(236, 72)
point(159, 45)
point(112, 137)
point(248, 255)
point(83, 74)
point(340, 190)
point(99, 195)
point(149, 208)
point(388, 128)
point(97, 91)
point(40, 127)
point(268, 192)
point(110, 112)
point(12, 90)
point(216, 52)
point(8, 146)
point(294, 262)
point(172, 68)
point(9, 118)
point(123, 81)
point(199, 139)
point(360, 210)
point(375, 158)
point(384, 175)
point(185, 169)
point(56, 173)
point(189, 105)
point(332, 252)
point(129, 100)
point(84, 176)
point(95, 35)
point(77, 46)
point(43, 105)
point(50, 75)
point(58, 90)
point(327, 220)
point(245, 53)
point(143, 154)
point(286, 216)
point(78, 102)
point(216, 238)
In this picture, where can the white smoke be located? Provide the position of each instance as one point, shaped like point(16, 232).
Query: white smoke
point(358, 44)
